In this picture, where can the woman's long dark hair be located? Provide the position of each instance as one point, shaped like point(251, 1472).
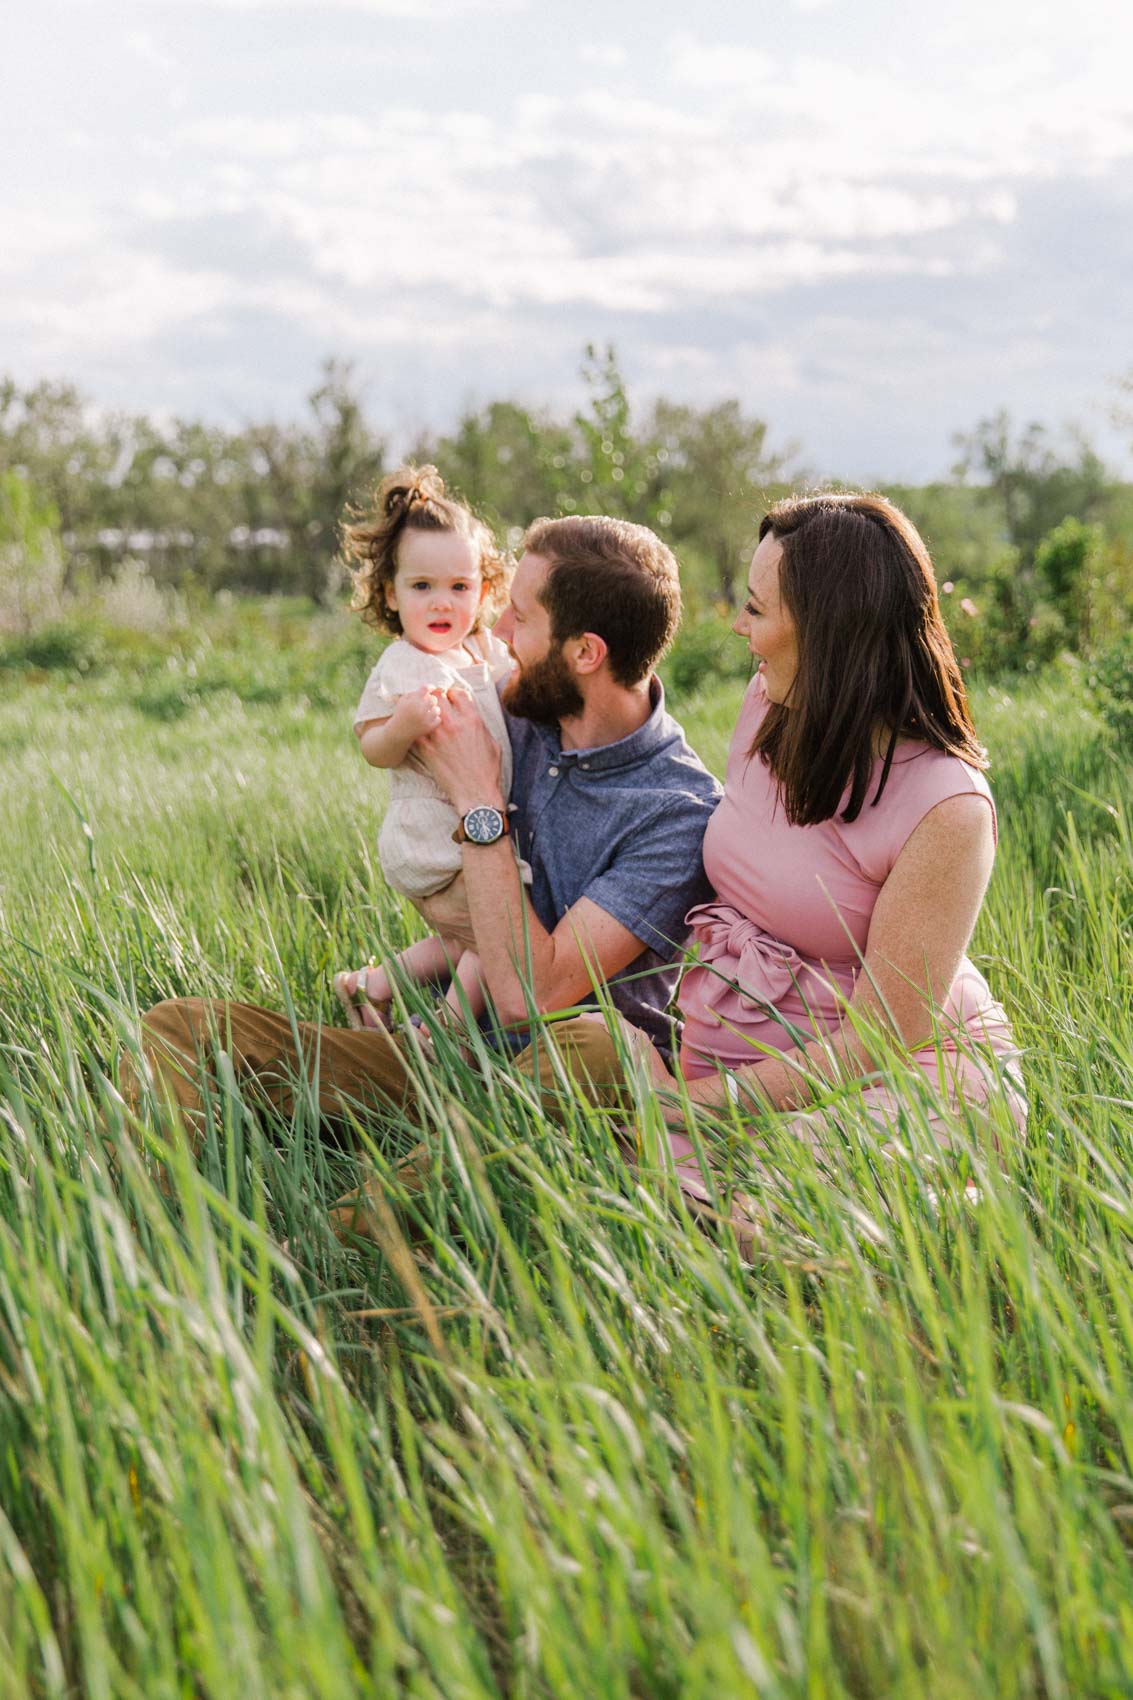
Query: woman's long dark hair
point(875, 659)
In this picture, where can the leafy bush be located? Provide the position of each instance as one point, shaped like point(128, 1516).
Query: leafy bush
point(706, 651)
point(1111, 679)
point(31, 557)
point(63, 647)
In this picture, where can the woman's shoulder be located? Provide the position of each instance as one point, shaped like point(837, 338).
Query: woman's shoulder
point(921, 773)
point(919, 779)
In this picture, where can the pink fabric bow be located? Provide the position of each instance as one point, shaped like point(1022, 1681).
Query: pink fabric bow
point(742, 959)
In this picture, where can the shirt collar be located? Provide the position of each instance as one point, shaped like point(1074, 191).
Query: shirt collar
point(625, 751)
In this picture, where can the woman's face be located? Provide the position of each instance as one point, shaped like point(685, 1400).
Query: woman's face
point(764, 621)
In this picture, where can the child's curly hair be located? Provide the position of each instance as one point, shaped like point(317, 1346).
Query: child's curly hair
point(413, 499)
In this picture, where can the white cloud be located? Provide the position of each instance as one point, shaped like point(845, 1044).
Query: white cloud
point(427, 11)
point(144, 45)
point(718, 65)
point(738, 187)
point(1021, 112)
point(113, 304)
point(604, 55)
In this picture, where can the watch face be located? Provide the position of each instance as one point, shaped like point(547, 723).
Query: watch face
point(484, 825)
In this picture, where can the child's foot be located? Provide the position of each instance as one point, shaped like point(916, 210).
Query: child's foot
point(351, 988)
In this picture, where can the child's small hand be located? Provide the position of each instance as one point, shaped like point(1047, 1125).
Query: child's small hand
point(419, 711)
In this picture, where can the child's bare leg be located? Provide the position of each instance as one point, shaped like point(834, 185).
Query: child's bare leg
point(466, 990)
point(427, 959)
point(367, 993)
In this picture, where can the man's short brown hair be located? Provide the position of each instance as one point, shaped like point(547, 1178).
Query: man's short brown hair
point(613, 578)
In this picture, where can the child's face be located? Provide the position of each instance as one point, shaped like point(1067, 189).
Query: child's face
point(437, 589)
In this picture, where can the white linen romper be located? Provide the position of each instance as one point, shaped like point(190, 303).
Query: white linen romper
point(415, 843)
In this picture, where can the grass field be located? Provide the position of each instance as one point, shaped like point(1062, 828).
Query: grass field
point(573, 1446)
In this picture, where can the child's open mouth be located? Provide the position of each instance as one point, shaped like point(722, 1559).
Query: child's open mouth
point(440, 625)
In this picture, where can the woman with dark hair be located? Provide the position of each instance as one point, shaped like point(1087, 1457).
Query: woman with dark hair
point(854, 843)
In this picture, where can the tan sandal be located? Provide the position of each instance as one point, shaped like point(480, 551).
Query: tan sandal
point(363, 1012)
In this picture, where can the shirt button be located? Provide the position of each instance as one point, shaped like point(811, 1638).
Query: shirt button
point(554, 772)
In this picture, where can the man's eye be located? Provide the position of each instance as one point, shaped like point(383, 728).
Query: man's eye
point(748, 609)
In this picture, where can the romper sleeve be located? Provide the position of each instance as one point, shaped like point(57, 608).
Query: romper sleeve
point(401, 668)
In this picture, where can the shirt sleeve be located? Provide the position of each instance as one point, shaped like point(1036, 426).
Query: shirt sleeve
point(656, 874)
point(401, 668)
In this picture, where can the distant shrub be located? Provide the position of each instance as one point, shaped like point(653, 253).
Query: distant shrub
point(131, 601)
point(63, 647)
point(706, 650)
point(1111, 681)
point(31, 557)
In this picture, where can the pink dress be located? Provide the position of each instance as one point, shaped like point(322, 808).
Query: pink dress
point(783, 941)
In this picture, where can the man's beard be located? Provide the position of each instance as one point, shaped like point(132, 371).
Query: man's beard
point(544, 690)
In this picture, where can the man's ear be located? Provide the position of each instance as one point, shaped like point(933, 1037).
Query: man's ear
point(587, 653)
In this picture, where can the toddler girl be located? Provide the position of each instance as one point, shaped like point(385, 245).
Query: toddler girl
point(428, 571)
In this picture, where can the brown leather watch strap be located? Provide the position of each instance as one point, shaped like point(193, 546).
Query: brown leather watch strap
point(461, 837)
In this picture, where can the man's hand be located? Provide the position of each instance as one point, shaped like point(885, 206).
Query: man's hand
point(461, 753)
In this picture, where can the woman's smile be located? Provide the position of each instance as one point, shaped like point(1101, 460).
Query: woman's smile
point(766, 623)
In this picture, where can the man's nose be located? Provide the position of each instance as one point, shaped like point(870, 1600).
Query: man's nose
point(505, 627)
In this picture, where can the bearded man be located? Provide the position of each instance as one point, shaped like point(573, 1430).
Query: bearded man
point(608, 807)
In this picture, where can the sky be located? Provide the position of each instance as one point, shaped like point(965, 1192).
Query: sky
point(873, 223)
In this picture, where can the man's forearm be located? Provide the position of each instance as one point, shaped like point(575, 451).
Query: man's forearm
point(516, 951)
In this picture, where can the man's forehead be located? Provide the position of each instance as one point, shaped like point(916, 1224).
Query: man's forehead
point(528, 580)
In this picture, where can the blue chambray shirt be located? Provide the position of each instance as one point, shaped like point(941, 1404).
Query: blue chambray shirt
point(623, 825)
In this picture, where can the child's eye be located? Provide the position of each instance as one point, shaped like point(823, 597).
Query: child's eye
point(421, 584)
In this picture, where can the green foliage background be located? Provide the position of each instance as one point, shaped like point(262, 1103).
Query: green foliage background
point(193, 509)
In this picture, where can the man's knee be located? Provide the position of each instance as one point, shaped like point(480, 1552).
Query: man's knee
point(178, 1023)
point(584, 1051)
point(167, 1058)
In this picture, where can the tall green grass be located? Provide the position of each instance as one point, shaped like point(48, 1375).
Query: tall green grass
point(557, 1439)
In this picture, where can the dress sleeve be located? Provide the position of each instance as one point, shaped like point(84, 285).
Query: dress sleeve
point(914, 788)
point(400, 668)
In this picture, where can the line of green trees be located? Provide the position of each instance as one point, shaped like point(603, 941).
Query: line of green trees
point(1032, 536)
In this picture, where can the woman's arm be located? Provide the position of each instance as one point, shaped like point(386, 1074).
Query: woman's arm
point(921, 925)
point(386, 743)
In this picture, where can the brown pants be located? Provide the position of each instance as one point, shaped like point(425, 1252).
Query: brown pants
point(346, 1070)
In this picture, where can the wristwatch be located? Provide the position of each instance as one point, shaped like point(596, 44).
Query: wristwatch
point(482, 825)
